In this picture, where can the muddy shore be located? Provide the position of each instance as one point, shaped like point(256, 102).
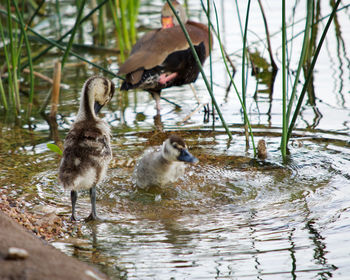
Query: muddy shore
point(25, 252)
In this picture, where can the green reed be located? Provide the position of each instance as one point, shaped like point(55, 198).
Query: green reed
point(207, 84)
point(226, 59)
point(244, 54)
point(75, 27)
point(124, 14)
point(310, 70)
point(133, 12)
point(11, 56)
point(3, 95)
point(31, 73)
point(46, 50)
point(284, 83)
point(101, 25)
point(306, 54)
point(305, 46)
point(288, 126)
point(210, 49)
point(6, 53)
point(17, 35)
point(117, 23)
point(240, 98)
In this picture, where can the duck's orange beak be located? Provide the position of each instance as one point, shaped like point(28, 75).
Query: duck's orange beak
point(167, 22)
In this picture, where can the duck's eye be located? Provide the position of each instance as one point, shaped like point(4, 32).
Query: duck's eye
point(178, 12)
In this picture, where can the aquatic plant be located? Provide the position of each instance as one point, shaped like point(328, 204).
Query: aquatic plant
point(54, 148)
point(124, 14)
point(17, 34)
point(307, 62)
point(240, 98)
point(288, 126)
point(201, 70)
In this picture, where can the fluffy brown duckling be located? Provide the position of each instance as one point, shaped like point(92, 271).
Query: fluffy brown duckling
point(162, 58)
point(87, 149)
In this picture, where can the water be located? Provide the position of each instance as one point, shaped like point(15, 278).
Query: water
point(230, 217)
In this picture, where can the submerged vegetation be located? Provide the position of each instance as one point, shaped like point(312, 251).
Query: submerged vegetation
point(20, 33)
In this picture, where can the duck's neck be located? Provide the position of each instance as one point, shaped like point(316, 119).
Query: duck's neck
point(165, 153)
point(86, 109)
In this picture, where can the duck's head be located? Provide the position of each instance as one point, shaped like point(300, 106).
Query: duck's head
point(175, 149)
point(99, 91)
point(168, 17)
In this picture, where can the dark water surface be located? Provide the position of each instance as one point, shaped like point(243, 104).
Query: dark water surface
point(230, 217)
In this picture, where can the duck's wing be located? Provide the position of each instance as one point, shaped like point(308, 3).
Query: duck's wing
point(154, 47)
point(85, 140)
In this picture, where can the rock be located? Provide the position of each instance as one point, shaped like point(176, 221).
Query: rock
point(17, 254)
point(92, 275)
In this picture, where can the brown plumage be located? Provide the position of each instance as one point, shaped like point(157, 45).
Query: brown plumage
point(162, 58)
point(87, 150)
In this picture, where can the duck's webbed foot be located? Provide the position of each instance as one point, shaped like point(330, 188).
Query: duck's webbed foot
point(92, 216)
point(73, 218)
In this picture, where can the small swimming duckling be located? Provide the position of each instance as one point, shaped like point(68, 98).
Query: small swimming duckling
point(87, 150)
point(163, 166)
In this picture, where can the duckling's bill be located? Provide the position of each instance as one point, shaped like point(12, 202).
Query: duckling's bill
point(186, 156)
point(97, 107)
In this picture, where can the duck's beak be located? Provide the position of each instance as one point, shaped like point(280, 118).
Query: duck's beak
point(167, 22)
point(186, 156)
point(97, 107)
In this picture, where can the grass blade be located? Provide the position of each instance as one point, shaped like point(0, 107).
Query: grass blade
point(75, 27)
point(312, 66)
point(246, 119)
point(284, 84)
point(308, 25)
point(31, 71)
point(201, 70)
point(61, 47)
point(12, 65)
point(66, 34)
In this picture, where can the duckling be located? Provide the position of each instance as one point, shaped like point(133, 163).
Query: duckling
point(162, 166)
point(87, 150)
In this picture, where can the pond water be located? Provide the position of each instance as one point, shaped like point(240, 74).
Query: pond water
point(230, 217)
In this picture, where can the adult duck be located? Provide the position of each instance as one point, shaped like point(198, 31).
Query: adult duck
point(163, 165)
point(162, 58)
point(87, 150)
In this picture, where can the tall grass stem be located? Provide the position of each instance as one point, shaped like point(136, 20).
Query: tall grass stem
point(75, 27)
point(244, 73)
point(233, 83)
point(201, 70)
point(29, 55)
point(312, 66)
point(284, 85)
point(41, 54)
point(12, 66)
point(308, 26)
point(57, 45)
